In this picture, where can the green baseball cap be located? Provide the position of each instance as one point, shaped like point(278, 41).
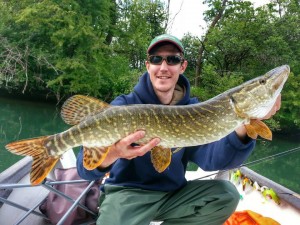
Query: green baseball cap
point(166, 38)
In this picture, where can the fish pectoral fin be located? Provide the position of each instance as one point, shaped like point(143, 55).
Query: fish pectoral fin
point(94, 156)
point(42, 163)
point(160, 158)
point(257, 127)
point(41, 167)
point(251, 131)
point(78, 107)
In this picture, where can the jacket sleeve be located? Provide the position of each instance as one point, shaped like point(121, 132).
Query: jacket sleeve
point(96, 173)
point(227, 153)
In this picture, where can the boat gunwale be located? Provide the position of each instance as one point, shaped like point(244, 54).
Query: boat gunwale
point(283, 192)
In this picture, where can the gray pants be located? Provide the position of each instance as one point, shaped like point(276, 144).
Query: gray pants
point(206, 202)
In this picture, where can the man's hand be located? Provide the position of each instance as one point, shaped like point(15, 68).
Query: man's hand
point(123, 148)
point(241, 131)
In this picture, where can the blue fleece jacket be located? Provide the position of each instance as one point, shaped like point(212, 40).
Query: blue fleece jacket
point(139, 172)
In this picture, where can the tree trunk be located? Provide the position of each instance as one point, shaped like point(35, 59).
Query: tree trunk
point(202, 47)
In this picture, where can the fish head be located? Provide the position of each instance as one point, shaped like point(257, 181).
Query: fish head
point(255, 98)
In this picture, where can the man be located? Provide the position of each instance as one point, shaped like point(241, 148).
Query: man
point(135, 194)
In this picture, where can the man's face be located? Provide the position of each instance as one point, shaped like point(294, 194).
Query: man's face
point(164, 77)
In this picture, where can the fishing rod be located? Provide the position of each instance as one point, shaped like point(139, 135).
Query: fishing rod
point(255, 162)
point(274, 156)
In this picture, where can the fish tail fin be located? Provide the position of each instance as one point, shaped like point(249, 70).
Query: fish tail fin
point(41, 167)
point(30, 147)
point(42, 163)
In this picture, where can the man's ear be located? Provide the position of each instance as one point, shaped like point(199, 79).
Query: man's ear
point(183, 66)
point(147, 64)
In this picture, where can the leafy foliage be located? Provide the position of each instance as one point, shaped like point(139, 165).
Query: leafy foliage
point(248, 42)
point(214, 83)
point(59, 48)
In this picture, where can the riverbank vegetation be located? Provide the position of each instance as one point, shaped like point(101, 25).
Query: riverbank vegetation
point(54, 49)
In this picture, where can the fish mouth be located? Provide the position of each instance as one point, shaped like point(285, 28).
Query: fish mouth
point(280, 77)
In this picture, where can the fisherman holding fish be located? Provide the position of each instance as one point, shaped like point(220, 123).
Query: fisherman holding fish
point(135, 193)
point(145, 140)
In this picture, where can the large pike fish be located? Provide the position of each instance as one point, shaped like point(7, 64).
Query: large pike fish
point(97, 125)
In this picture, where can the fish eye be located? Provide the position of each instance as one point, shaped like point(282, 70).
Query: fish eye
point(262, 81)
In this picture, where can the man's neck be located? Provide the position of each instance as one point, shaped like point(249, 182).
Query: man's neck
point(171, 97)
point(165, 97)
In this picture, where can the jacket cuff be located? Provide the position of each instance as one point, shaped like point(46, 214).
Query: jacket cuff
point(238, 144)
point(103, 170)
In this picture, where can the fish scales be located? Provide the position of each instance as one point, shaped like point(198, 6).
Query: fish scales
point(97, 125)
point(155, 120)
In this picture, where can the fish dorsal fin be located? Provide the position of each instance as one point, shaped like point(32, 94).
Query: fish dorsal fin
point(94, 156)
point(257, 127)
point(161, 158)
point(78, 107)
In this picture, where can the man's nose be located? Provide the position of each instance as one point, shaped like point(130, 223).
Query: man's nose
point(164, 65)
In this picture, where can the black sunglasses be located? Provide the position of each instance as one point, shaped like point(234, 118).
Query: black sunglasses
point(170, 59)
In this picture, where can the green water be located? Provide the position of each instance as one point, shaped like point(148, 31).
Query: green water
point(21, 119)
point(285, 169)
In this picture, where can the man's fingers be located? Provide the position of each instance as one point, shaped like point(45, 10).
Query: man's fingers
point(126, 150)
point(143, 149)
point(131, 138)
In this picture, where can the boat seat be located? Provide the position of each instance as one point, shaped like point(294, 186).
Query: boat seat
point(21, 206)
point(25, 208)
point(10, 214)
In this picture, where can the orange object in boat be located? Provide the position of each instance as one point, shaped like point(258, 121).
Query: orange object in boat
point(249, 217)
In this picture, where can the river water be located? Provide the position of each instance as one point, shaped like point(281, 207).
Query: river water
point(20, 119)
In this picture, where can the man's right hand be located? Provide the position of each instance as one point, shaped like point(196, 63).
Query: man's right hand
point(124, 149)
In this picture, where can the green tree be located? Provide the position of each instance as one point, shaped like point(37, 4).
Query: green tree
point(65, 41)
point(139, 22)
point(60, 48)
point(70, 45)
point(247, 42)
